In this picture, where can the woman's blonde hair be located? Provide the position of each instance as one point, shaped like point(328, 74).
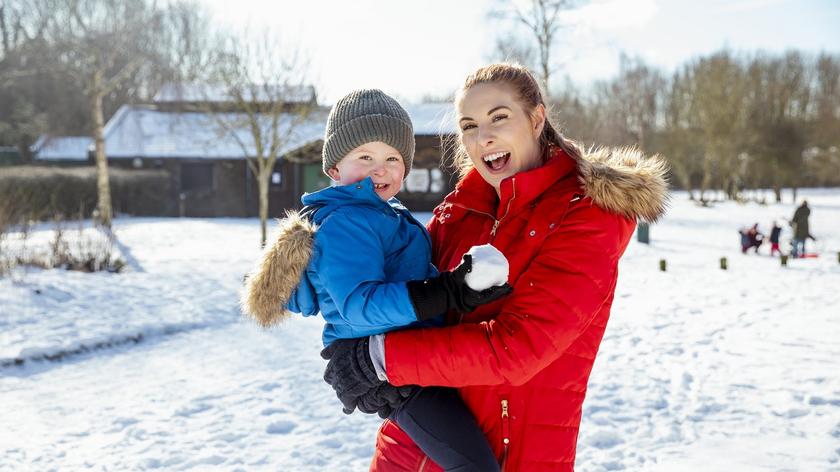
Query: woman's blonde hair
point(529, 95)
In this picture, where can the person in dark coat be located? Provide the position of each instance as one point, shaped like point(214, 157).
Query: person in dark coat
point(751, 238)
point(801, 230)
point(775, 232)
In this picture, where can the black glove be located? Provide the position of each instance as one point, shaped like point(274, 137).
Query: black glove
point(449, 290)
point(350, 370)
point(384, 399)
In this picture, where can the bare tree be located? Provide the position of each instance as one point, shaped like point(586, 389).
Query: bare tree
point(541, 18)
point(270, 99)
point(511, 48)
point(108, 42)
point(681, 143)
point(778, 103)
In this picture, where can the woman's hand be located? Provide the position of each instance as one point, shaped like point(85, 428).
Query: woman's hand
point(489, 268)
point(450, 291)
point(351, 374)
point(350, 370)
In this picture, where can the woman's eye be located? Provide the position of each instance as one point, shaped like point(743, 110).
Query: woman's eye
point(499, 117)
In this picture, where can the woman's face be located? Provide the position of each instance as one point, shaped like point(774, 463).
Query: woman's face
point(500, 137)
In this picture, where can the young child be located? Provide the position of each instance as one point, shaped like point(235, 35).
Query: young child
point(775, 232)
point(356, 255)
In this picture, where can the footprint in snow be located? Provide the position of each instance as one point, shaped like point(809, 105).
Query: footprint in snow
point(269, 386)
point(193, 409)
point(792, 413)
point(281, 427)
point(605, 439)
point(330, 443)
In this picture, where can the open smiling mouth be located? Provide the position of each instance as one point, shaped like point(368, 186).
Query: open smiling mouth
point(380, 186)
point(497, 160)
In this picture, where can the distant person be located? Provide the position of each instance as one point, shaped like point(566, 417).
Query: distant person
point(801, 230)
point(775, 233)
point(751, 238)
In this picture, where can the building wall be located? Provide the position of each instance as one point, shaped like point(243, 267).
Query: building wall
point(227, 188)
point(430, 179)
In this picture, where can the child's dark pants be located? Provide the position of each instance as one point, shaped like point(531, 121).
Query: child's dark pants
point(442, 426)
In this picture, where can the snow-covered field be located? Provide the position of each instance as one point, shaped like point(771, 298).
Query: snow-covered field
point(700, 369)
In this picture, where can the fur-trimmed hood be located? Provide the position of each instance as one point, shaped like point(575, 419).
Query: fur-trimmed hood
point(279, 270)
point(624, 181)
point(620, 180)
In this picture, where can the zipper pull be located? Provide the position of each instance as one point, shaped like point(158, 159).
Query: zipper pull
point(495, 226)
point(505, 433)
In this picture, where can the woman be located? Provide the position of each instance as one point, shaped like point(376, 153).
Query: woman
point(563, 221)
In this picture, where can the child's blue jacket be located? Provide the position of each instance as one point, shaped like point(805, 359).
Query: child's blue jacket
point(364, 251)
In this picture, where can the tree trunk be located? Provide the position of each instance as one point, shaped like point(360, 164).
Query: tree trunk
point(262, 183)
point(777, 191)
point(103, 186)
point(795, 191)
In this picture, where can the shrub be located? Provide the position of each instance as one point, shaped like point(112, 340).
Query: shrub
point(39, 193)
point(85, 250)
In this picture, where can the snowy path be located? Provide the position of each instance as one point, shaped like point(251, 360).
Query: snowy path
point(700, 369)
point(221, 397)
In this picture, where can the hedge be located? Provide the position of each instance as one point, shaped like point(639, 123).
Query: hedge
point(39, 192)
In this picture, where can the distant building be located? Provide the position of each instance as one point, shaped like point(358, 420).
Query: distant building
point(65, 150)
point(208, 169)
point(9, 156)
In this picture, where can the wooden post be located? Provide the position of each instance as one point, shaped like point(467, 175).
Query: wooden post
point(662, 265)
point(643, 232)
point(723, 263)
point(783, 258)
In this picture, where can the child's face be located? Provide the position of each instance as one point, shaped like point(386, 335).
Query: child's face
point(377, 160)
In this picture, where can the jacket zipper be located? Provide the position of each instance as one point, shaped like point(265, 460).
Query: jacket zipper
point(507, 208)
point(423, 463)
point(495, 221)
point(505, 432)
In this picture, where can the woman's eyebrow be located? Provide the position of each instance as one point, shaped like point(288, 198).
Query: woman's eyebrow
point(494, 109)
point(497, 108)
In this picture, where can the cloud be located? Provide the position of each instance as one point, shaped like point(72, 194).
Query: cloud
point(747, 5)
point(613, 15)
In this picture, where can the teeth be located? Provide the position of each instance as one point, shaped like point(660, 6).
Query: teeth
point(379, 185)
point(493, 157)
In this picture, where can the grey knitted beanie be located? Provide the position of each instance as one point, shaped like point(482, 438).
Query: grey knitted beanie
point(365, 116)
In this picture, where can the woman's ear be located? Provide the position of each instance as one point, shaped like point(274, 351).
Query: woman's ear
point(538, 119)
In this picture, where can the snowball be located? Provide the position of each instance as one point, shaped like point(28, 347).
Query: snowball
point(489, 267)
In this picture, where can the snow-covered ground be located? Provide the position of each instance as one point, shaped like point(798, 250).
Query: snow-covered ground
point(700, 369)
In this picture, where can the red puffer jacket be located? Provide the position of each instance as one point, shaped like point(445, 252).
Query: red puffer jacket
point(522, 364)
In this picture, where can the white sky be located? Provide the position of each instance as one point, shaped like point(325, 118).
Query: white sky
point(414, 48)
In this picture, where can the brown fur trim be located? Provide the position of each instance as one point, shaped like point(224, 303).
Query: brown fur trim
point(623, 180)
point(270, 285)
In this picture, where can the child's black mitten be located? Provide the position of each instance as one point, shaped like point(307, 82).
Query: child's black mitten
point(449, 291)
